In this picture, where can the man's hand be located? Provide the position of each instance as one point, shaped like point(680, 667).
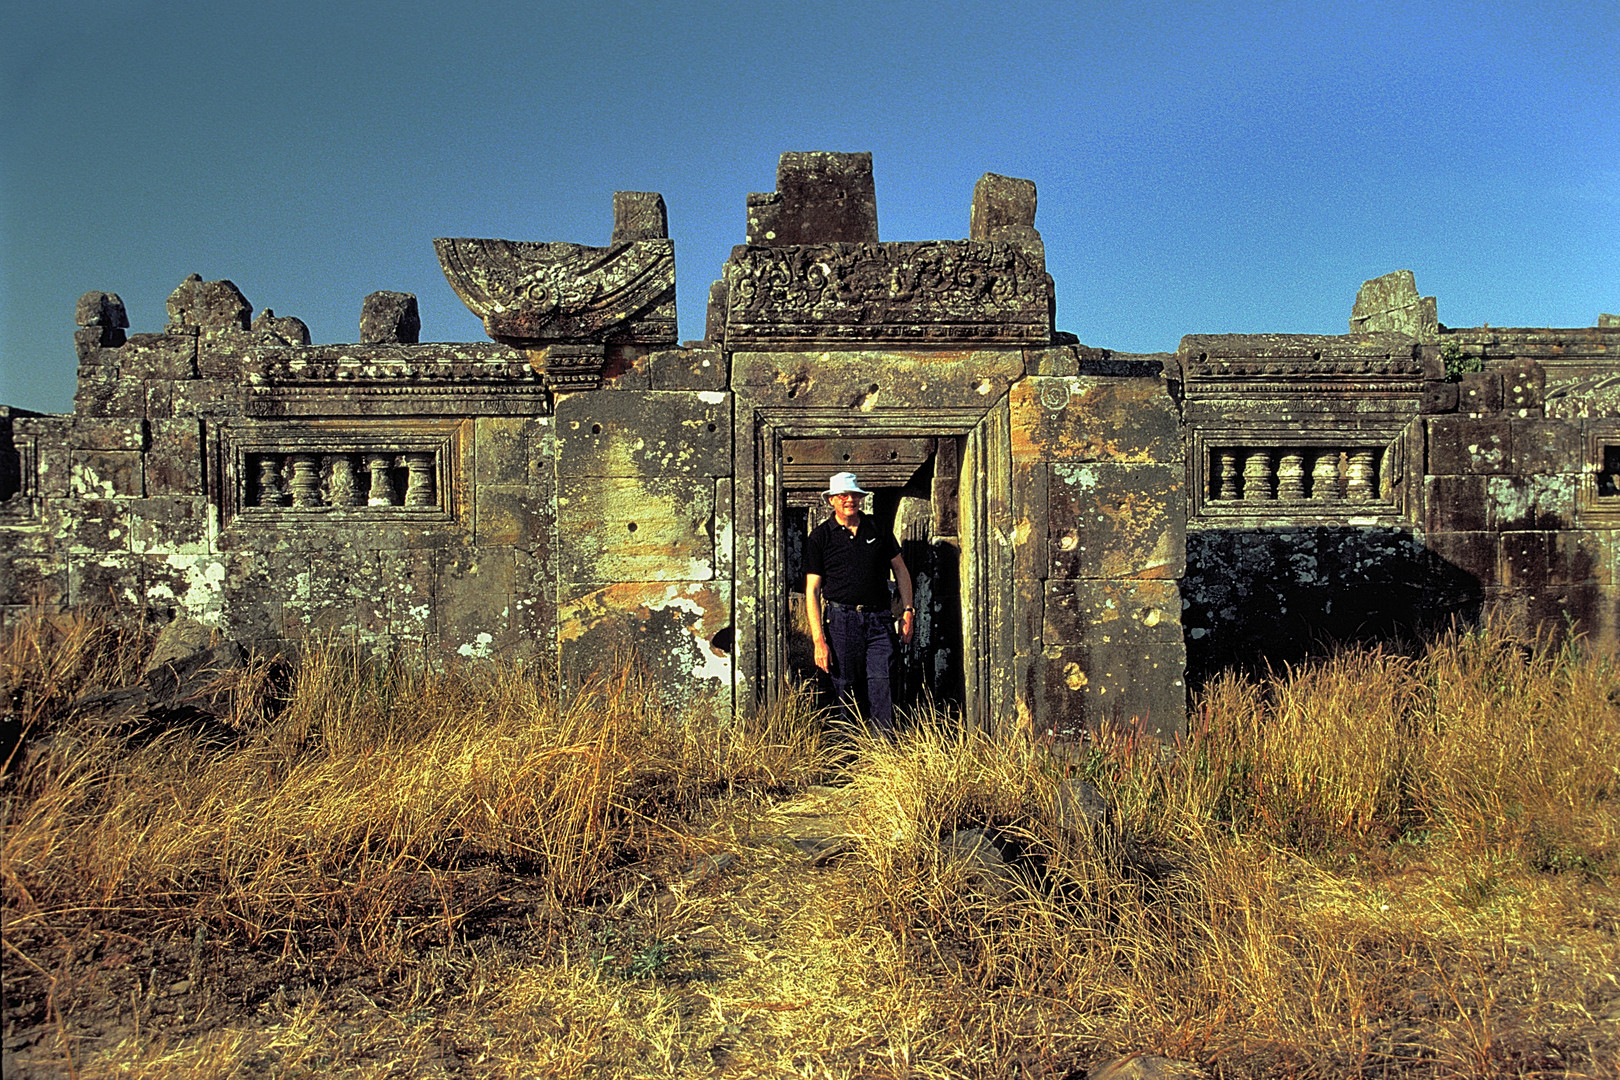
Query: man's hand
point(812, 611)
point(908, 625)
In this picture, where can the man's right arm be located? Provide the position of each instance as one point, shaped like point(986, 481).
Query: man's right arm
point(812, 611)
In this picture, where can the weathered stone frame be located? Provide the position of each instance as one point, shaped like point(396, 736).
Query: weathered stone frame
point(1395, 503)
point(984, 501)
point(447, 441)
point(1594, 510)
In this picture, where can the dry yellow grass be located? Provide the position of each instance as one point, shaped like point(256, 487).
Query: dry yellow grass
point(1379, 865)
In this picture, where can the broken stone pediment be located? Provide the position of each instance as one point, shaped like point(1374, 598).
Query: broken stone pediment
point(1391, 305)
point(532, 293)
point(813, 271)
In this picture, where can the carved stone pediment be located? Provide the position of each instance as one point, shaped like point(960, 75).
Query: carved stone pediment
point(920, 293)
point(531, 293)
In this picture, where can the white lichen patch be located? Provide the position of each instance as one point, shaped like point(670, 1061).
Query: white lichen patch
point(481, 648)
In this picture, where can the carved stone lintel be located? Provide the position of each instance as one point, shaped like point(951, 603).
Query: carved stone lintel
point(925, 293)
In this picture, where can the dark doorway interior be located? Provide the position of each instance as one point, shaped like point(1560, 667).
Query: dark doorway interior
point(912, 499)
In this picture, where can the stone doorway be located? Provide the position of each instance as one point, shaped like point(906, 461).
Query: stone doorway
point(914, 483)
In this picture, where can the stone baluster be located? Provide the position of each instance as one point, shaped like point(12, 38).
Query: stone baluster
point(1226, 474)
point(305, 482)
point(419, 482)
point(270, 493)
point(382, 485)
point(1325, 475)
point(1363, 474)
point(1257, 476)
point(1291, 475)
point(341, 488)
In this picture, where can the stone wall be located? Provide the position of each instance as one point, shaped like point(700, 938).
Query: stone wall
point(1088, 529)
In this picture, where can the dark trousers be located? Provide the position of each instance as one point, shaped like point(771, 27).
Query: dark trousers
point(862, 644)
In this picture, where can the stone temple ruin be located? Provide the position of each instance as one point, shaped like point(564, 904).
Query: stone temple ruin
point(1089, 530)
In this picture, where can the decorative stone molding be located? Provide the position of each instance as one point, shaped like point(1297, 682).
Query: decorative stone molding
point(469, 379)
point(569, 368)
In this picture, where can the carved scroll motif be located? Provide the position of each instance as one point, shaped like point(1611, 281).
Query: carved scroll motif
point(926, 292)
point(536, 293)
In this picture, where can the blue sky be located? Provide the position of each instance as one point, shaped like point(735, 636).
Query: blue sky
point(1202, 168)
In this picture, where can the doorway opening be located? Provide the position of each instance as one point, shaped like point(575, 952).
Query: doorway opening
point(914, 483)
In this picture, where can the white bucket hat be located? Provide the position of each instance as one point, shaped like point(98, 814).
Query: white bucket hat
point(844, 483)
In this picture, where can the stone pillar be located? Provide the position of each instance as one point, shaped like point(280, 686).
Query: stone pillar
point(1291, 475)
point(1226, 474)
point(382, 486)
point(419, 483)
point(305, 483)
point(1325, 475)
point(1363, 474)
point(270, 493)
point(343, 490)
point(1257, 476)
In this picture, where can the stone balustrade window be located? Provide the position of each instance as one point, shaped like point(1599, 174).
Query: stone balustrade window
point(1289, 477)
point(358, 480)
point(1322, 474)
point(1608, 472)
point(339, 471)
point(1597, 499)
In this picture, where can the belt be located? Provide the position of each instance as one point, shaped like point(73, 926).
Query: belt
point(868, 608)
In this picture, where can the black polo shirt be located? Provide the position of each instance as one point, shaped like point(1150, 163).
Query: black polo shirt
point(854, 569)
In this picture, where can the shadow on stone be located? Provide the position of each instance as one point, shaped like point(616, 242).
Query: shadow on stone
point(1265, 598)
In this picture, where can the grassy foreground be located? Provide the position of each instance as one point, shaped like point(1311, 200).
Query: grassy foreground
point(1378, 865)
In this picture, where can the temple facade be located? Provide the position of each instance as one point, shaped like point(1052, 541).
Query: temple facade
point(1090, 531)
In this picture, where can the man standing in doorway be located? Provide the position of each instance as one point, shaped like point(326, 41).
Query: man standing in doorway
point(850, 558)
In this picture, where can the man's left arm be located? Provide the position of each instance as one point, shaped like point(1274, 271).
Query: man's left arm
point(902, 578)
